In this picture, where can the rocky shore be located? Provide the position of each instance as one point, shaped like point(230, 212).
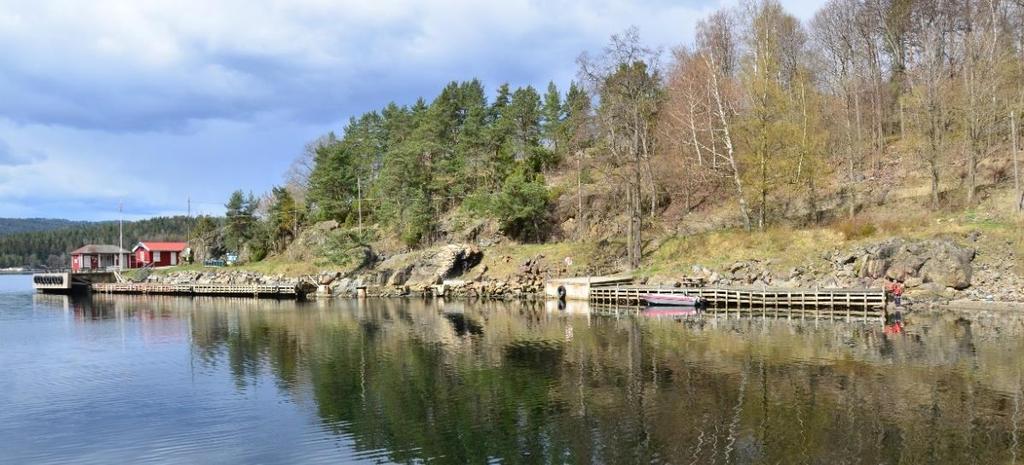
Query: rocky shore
point(933, 270)
point(450, 270)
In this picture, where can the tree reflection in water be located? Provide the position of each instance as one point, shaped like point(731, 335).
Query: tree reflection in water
point(458, 383)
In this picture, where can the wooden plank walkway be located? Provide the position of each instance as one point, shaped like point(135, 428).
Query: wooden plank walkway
point(861, 301)
point(255, 290)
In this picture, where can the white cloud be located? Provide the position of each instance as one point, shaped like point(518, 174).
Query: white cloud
point(235, 87)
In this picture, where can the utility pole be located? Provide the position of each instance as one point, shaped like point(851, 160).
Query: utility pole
point(1018, 196)
point(120, 235)
point(188, 221)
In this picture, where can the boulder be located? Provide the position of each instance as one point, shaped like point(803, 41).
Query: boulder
point(939, 261)
point(948, 265)
point(427, 267)
point(874, 267)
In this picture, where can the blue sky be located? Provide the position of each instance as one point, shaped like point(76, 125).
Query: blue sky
point(153, 102)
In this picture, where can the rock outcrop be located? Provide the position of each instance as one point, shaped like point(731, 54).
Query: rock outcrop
point(426, 267)
point(939, 261)
point(937, 267)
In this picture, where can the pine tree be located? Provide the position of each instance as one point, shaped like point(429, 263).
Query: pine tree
point(240, 213)
point(283, 218)
point(332, 184)
point(553, 113)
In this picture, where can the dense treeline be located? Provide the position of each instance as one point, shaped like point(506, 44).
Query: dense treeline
point(404, 168)
point(22, 225)
point(50, 248)
point(773, 119)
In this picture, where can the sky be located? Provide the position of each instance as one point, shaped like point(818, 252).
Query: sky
point(152, 103)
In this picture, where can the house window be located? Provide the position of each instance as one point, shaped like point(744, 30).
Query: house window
point(156, 256)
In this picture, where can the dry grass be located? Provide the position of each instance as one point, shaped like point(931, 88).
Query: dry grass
point(503, 260)
point(786, 247)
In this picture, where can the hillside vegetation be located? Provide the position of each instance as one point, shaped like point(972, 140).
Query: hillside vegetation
point(765, 136)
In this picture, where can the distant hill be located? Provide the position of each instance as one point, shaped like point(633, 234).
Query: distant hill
point(50, 247)
point(23, 225)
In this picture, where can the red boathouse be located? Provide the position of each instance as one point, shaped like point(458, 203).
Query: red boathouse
point(95, 257)
point(158, 253)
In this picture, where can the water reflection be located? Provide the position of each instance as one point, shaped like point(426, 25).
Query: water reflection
point(456, 382)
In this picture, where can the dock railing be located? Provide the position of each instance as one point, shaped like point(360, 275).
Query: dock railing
point(256, 290)
point(851, 301)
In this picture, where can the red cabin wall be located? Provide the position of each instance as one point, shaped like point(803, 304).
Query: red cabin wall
point(143, 257)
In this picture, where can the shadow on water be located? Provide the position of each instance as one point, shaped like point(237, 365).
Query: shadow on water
point(411, 380)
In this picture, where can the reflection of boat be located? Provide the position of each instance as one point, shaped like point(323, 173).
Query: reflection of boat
point(678, 300)
point(670, 311)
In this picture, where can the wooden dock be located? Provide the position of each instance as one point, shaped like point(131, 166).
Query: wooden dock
point(232, 290)
point(67, 281)
point(851, 302)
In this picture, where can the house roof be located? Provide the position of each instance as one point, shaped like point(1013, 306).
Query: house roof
point(98, 249)
point(162, 246)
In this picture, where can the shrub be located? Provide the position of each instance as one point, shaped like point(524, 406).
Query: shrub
point(854, 228)
point(521, 207)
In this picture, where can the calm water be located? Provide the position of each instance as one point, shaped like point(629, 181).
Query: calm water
point(174, 380)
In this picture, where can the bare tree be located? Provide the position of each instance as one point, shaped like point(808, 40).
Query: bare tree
point(717, 48)
point(983, 71)
point(930, 81)
point(626, 81)
point(833, 31)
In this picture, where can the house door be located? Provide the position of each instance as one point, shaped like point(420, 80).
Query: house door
point(94, 261)
point(174, 258)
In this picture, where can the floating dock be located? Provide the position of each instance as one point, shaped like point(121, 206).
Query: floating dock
point(67, 282)
point(616, 291)
point(228, 290)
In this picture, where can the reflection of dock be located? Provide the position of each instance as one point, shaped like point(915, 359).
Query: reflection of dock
point(777, 313)
point(237, 290)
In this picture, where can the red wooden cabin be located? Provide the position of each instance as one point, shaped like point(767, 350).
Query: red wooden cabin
point(95, 257)
point(158, 253)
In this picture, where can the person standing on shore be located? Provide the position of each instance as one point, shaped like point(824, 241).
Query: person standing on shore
point(895, 289)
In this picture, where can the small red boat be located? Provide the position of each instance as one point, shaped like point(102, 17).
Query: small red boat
point(675, 300)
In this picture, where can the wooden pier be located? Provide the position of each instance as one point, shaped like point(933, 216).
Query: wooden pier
point(851, 302)
point(232, 290)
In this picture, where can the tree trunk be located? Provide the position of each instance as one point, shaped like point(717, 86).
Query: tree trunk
point(580, 223)
point(762, 220)
point(636, 219)
point(1018, 197)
